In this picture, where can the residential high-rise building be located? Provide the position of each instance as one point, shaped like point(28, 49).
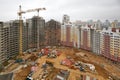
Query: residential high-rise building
point(25, 37)
point(76, 36)
point(4, 34)
point(9, 39)
point(67, 34)
point(36, 32)
point(85, 38)
point(63, 34)
point(52, 33)
point(66, 31)
point(95, 36)
point(96, 42)
point(77, 33)
point(13, 38)
point(110, 44)
point(29, 23)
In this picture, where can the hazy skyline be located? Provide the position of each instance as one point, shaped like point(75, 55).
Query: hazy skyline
point(77, 9)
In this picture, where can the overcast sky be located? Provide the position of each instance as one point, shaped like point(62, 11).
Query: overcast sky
point(76, 9)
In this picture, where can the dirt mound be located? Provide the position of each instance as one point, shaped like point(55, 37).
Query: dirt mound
point(23, 73)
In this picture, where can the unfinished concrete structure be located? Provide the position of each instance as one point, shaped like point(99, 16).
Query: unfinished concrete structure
point(3, 46)
point(13, 38)
point(36, 35)
point(25, 37)
point(9, 39)
point(52, 33)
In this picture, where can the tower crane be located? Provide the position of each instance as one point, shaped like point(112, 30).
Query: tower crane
point(21, 24)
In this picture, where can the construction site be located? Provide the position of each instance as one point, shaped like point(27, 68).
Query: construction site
point(62, 63)
point(53, 51)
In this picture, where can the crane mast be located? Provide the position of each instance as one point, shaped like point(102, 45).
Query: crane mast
point(21, 24)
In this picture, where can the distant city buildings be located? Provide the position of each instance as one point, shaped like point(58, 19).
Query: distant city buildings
point(66, 19)
point(106, 24)
point(98, 25)
point(102, 38)
point(115, 24)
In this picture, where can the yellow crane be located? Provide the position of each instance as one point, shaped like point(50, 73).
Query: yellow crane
point(21, 24)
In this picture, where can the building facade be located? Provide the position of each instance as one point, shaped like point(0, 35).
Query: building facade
point(9, 40)
point(25, 37)
point(13, 38)
point(67, 35)
point(85, 38)
point(3, 42)
point(110, 44)
point(36, 32)
point(96, 42)
point(52, 33)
